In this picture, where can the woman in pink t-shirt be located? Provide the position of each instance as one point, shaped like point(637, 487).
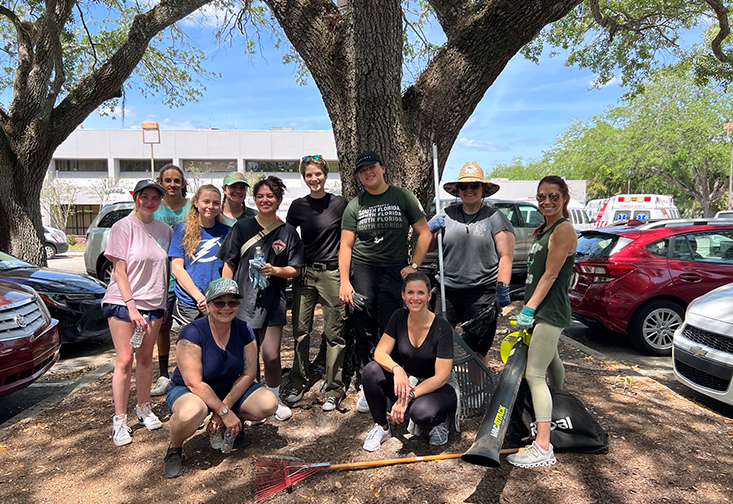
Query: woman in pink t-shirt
point(136, 298)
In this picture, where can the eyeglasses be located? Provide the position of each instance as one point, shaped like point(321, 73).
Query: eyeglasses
point(315, 157)
point(553, 196)
point(472, 185)
point(222, 304)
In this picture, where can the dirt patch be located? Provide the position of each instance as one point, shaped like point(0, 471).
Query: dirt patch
point(663, 449)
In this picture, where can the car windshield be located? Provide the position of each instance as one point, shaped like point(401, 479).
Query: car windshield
point(8, 262)
point(596, 245)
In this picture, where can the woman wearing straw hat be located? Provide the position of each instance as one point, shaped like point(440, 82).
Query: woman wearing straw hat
point(478, 243)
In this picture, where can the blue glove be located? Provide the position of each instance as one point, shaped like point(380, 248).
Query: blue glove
point(258, 280)
point(525, 320)
point(436, 223)
point(502, 296)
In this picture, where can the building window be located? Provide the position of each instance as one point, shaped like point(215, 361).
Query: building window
point(209, 165)
point(81, 218)
point(271, 166)
point(95, 165)
point(142, 165)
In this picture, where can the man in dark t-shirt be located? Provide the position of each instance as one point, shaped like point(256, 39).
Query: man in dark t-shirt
point(319, 217)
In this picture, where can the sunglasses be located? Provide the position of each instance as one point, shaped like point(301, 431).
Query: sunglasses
point(553, 196)
point(473, 185)
point(222, 304)
point(315, 157)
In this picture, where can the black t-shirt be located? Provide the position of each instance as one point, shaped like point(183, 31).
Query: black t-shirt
point(420, 361)
point(320, 225)
point(282, 247)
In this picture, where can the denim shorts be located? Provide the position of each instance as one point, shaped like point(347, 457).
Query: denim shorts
point(122, 313)
point(176, 391)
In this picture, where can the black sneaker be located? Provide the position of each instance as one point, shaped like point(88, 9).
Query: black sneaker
point(331, 403)
point(173, 463)
point(294, 396)
point(241, 441)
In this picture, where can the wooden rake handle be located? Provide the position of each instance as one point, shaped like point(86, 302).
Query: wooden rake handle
point(407, 460)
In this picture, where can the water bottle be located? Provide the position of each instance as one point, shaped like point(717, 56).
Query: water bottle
point(259, 255)
point(137, 336)
point(228, 443)
point(217, 440)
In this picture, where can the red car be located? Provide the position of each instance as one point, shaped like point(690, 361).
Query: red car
point(29, 337)
point(640, 279)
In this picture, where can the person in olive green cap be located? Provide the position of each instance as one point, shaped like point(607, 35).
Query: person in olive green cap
point(235, 191)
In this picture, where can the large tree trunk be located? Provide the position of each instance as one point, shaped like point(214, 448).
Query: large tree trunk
point(34, 125)
point(355, 58)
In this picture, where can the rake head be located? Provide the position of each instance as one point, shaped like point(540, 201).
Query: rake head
point(273, 474)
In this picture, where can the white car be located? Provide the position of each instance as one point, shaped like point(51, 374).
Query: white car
point(702, 349)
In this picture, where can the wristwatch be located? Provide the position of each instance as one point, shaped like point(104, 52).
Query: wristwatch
point(499, 285)
point(413, 266)
point(224, 410)
point(412, 395)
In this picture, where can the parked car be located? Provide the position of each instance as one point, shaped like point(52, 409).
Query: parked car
point(724, 214)
point(703, 346)
point(74, 300)
point(29, 337)
point(96, 264)
point(55, 242)
point(639, 280)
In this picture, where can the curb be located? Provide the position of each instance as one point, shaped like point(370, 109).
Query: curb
point(40, 407)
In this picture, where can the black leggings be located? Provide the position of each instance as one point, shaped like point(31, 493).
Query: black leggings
point(426, 411)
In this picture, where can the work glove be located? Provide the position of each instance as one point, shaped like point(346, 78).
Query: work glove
point(436, 223)
point(502, 296)
point(525, 320)
point(258, 279)
point(359, 303)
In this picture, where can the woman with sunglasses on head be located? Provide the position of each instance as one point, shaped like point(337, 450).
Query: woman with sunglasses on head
point(263, 288)
point(373, 258)
point(318, 216)
point(478, 251)
point(136, 298)
point(217, 367)
point(193, 253)
point(546, 311)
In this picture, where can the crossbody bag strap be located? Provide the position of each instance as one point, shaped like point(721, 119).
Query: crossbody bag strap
point(248, 244)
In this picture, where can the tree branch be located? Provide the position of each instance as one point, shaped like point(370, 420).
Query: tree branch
point(721, 12)
point(450, 12)
point(89, 36)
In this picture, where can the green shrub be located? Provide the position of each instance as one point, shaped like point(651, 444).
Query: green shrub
point(71, 239)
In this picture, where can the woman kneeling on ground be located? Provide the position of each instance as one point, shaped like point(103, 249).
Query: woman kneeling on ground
point(217, 361)
point(412, 367)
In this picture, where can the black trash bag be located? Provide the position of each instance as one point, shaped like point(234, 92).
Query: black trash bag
point(573, 428)
point(481, 323)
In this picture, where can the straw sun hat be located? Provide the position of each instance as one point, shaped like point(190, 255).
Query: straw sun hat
point(471, 172)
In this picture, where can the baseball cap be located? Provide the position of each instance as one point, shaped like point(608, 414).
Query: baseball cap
point(235, 177)
point(367, 158)
point(145, 183)
point(221, 286)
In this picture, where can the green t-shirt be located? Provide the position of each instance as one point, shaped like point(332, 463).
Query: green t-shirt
point(381, 224)
point(230, 221)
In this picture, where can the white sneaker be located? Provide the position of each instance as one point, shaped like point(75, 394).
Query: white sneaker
point(252, 423)
point(439, 434)
point(376, 437)
point(532, 456)
point(362, 406)
point(146, 417)
point(161, 386)
point(120, 430)
point(283, 412)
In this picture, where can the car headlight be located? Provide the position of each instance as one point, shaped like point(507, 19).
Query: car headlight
point(55, 299)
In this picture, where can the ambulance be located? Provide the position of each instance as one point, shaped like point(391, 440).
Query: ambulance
point(624, 207)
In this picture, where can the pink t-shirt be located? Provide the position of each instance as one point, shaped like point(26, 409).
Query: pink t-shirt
point(144, 248)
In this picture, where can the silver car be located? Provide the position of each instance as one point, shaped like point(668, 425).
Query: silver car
point(96, 264)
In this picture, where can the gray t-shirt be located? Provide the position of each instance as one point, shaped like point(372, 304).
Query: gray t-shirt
point(469, 250)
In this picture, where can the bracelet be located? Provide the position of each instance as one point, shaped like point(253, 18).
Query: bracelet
point(128, 300)
point(396, 365)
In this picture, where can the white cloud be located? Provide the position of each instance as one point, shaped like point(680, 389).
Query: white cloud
point(177, 125)
point(615, 81)
point(472, 121)
point(208, 16)
point(480, 145)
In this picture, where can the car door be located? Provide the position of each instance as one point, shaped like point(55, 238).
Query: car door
point(701, 261)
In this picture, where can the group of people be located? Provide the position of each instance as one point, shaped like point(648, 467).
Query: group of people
point(220, 270)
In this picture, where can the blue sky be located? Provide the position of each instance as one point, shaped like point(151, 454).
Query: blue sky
point(522, 114)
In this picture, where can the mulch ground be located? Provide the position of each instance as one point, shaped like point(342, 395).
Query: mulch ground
point(663, 449)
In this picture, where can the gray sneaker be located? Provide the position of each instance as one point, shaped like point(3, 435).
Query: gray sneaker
point(362, 406)
point(531, 457)
point(439, 434)
point(376, 437)
point(331, 403)
point(294, 396)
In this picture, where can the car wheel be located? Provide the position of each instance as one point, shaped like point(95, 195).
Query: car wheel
point(105, 271)
point(653, 325)
point(50, 251)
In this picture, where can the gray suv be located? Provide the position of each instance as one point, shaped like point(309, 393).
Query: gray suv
point(95, 262)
